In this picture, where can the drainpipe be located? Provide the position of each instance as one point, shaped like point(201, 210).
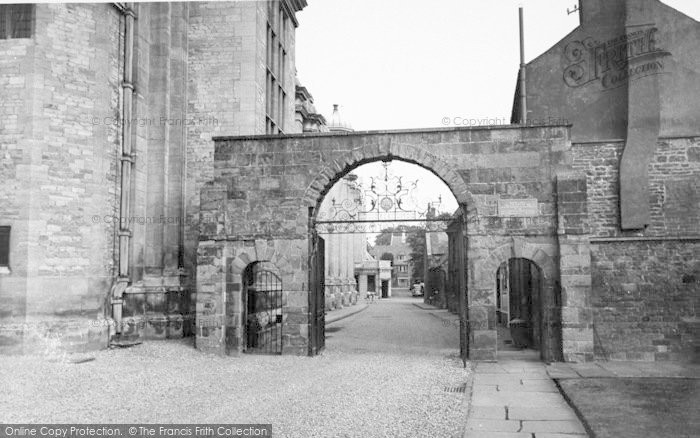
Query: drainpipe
point(127, 161)
point(183, 168)
point(523, 92)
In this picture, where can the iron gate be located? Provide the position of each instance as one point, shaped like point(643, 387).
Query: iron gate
point(462, 288)
point(317, 300)
point(264, 317)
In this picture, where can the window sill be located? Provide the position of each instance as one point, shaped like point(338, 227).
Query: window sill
point(5, 270)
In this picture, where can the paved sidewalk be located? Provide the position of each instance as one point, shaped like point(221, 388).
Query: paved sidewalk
point(517, 398)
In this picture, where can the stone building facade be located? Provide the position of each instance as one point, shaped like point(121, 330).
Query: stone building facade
point(373, 277)
point(628, 80)
point(108, 111)
point(343, 249)
point(401, 265)
point(306, 118)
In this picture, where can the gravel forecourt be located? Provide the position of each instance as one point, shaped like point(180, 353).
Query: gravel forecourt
point(383, 374)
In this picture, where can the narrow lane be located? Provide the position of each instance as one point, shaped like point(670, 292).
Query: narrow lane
point(395, 326)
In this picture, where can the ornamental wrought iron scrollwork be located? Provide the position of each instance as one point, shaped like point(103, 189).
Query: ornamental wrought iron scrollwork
point(388, 198)
point(352, 227)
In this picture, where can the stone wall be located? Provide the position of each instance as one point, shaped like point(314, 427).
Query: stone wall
point(645, 299)
point(16, 59)
point(572, 295)
point(59, 137)
point(198, 70)
point(155, 298)
point(226, 92)
point(644, 282)
point(674, 174)
point(220, 310)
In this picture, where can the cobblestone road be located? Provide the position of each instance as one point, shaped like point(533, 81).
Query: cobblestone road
point(383, 374)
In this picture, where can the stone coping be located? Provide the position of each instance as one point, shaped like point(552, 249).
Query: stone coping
point(386, 131)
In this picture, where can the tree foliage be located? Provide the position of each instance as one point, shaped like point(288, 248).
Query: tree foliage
point(416, 241)
point(384, 237)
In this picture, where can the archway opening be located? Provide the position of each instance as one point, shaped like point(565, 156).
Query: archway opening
point(519, 308)
point(263, 303)
point(384, 225)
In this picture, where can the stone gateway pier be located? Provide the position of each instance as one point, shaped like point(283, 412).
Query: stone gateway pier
point(519, 197)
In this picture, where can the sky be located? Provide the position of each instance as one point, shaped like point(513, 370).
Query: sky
point(396, 64)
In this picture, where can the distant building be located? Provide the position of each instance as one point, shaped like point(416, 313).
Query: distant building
point(306, 117)
point(402, 266)
point(374, 276)
point(338, 123)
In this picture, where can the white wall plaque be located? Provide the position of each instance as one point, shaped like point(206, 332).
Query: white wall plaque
point(518, 207)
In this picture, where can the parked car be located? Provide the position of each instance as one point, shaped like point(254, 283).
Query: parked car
point(417, 289)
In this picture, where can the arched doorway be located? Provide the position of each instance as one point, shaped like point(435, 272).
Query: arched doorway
point(344, 216)
point(519, 307)
point(263, 301)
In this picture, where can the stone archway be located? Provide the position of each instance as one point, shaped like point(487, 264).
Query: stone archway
point(350, 160)
point(220, 306)
point(236, 308)
point(509, 181)
point(482, 310)
point(385, 151)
